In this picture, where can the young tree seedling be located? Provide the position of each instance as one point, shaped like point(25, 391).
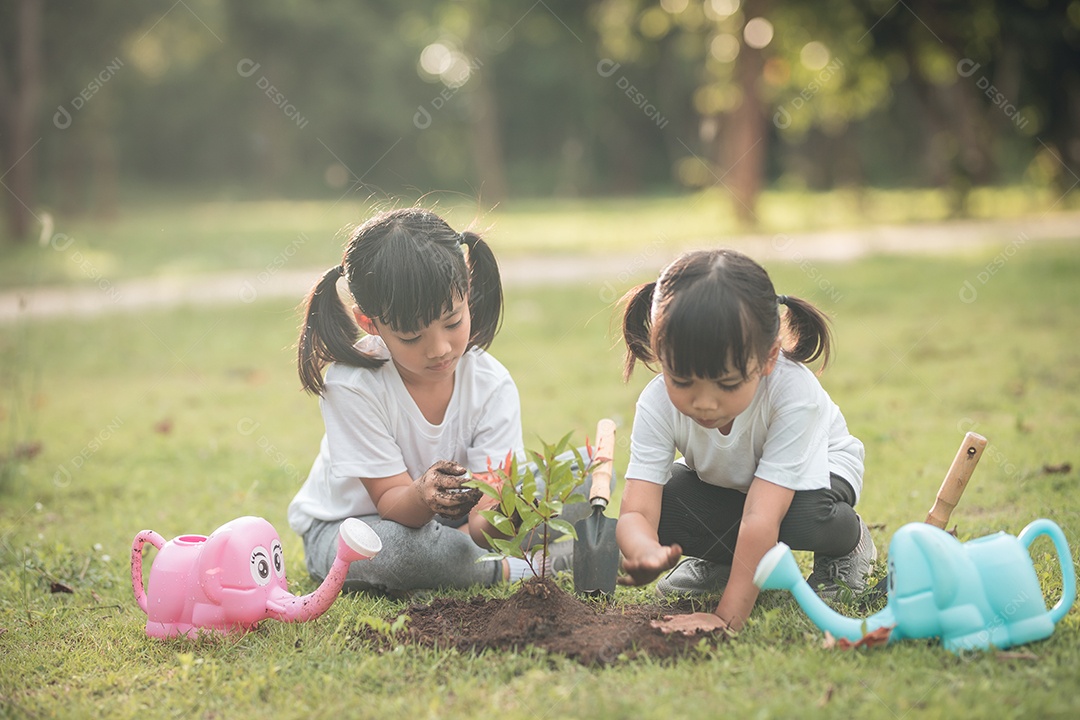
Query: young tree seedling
point(527, 511)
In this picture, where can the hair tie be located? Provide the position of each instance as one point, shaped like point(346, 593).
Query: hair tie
point(781, 299)
point(341, 269)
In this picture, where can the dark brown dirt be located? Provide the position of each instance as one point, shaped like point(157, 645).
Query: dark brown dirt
point(542, 615)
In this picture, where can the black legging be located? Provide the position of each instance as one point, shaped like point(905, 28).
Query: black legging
point(704, 519)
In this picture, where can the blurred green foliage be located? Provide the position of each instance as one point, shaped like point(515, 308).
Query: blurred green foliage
point(510, 99)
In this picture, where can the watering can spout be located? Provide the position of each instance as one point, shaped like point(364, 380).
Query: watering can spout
point(356, 541)
point(779, 571)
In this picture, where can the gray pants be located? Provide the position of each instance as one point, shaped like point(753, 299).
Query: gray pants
point(436, 555)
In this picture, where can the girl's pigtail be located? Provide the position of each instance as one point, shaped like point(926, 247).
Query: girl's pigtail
point(809, 328)
point(636, 326)
point(327, 335)
point(485, 291)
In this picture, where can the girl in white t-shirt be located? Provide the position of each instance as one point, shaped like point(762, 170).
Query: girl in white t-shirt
point(409, 407)
point(766, 454)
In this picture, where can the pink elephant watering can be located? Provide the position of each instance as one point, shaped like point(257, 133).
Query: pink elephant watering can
point(234, 578)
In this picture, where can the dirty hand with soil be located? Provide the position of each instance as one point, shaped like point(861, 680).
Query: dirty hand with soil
point(647, 566)
point(441, 490)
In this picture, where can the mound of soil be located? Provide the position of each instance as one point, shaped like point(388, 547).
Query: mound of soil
point(542, 615)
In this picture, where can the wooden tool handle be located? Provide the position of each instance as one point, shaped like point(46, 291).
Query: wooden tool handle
point(952, 487)
point(603, 457)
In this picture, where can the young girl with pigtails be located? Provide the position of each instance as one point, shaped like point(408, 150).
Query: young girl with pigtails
point(766, 455)
point(409, 407)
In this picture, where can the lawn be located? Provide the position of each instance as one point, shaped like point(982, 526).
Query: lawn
point(179, 420)
point(169, 238)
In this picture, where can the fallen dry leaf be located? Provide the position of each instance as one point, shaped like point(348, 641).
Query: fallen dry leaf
point(163, 427)
point(1060, 469)
point(874, 638)
point(58, 587)
point(690, 624)
point(1015, 655)
point(829, 689)
point(27, 450)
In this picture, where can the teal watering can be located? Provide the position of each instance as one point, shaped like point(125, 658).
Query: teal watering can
point(975, 595)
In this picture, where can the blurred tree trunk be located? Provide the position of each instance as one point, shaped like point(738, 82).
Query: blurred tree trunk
point(485, 139)
point(967, 145)
point(1064, 132)
point(104, 175)
point(20, 97)
point(743, 132)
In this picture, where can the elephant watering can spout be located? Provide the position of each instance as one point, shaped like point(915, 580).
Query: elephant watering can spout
point(356, 541)
point(234, 578)
point(778, 571)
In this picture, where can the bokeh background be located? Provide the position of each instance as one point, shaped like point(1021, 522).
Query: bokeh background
point(102, 103)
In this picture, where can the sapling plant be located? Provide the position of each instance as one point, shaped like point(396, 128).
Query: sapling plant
point(530, 498)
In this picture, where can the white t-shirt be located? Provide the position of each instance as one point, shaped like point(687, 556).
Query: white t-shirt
point(374, 429)
point(792, 434)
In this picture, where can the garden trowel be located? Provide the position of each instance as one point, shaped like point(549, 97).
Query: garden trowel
point(596, 554)
point(948, 495)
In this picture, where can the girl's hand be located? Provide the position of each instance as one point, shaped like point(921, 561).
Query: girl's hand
point(440, 489)
point(690, 624)
point(646, 568)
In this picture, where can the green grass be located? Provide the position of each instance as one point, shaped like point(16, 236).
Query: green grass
point(915, 368)
point(164, 237)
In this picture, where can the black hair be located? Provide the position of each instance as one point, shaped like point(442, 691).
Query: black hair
point(714, 311)
point(404, 268)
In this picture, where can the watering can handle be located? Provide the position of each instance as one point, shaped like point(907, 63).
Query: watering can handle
point(1068, 572)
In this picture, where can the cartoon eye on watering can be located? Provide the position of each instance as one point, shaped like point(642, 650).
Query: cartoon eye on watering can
point(975, 595)
point(232, 579)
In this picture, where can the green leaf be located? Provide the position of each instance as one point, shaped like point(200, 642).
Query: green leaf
point(540, 460)
point(504, 525)
point(581, 462)
point(482, 487)
point(510, 547)
point(524, 506)
point(506, 498)
point(498, 521)
point(529, 523)
point(399, 624)
point(563, 526)
point(490, 515)
point(528, 484)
